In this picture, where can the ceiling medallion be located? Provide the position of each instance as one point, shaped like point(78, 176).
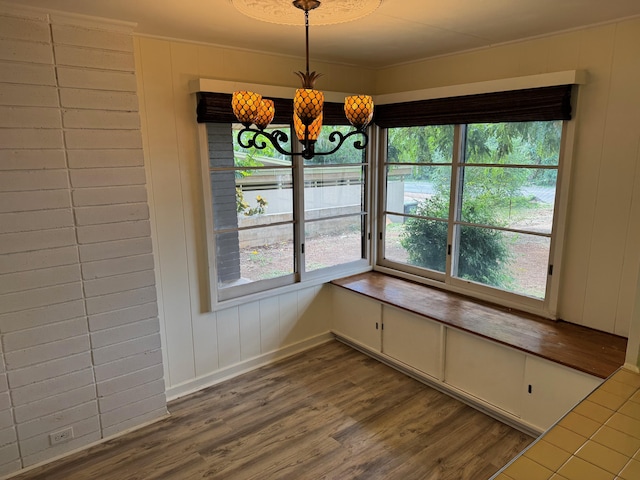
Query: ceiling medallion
point(280, 11)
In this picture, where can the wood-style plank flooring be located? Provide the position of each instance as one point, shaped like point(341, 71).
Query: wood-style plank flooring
point(327, 413)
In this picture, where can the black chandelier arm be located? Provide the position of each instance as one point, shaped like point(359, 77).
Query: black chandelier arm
point(275, 138)
point(278, 137)
point(341, 138)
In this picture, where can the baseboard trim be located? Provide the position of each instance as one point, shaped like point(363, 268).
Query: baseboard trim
point(84, 447)
point(245, 366)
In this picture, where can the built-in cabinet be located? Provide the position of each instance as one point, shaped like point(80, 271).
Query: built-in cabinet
point(514, 385)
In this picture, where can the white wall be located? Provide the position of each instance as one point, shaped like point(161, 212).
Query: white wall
point(201, 347)
point(78, 315)
point(599, 279)
point(602, 257)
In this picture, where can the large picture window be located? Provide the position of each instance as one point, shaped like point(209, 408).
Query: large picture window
point(278, 220)
point(472, 204)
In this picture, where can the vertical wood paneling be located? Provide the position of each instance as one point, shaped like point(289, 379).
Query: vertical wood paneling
point(595, 56)
point(249, 314)
point(163, 152)
point(152, 207)
point(205, 344)
point(228, 337)
point(626, 78)
point(269, 324)
point(615, 183)
point(288, 304)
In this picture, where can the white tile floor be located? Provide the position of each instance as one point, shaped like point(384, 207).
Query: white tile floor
point(598, 440)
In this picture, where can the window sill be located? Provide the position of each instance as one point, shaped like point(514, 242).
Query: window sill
point(584, 349)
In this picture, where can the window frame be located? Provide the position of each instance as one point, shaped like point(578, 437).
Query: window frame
point(546, 307)
point(300, 278)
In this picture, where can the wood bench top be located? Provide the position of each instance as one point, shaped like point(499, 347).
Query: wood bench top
point(591, 351)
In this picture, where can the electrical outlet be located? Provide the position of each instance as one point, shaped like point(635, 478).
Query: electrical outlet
point(61, 436)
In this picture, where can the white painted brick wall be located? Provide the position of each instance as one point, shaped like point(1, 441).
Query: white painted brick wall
point(47, 388)
point(126, 382)
point(38, 240)
point(16, 282)
point(46, 352)
point(98, 99)
point(111, 214)
point(92, 58)
point(30, 117)
point(37, 317)
point(96, 80)
point(84, 197)
point(80, 343)
point(107, 177)
point(117, 301)
point(98, 158)
point(35, 220)
point(124, 366)
point(119, 231)
point(27, 73)
point(31, 337)
point(32, 160)
point(123, 317)
point(116, 266)
point(95, 119)
point(18, 262)
point(119, 283)
point(28, 95)
point(115, 249)
point(85, 37)
point(26, 180)
point(58, 420)
point(12, 202)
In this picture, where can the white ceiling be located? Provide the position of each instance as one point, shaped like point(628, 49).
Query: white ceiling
point(397, 31)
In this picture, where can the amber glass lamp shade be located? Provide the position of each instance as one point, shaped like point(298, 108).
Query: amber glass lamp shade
point(359, 110)
point(266, 111)
point(245, 106)
point(313, 130)
point(307, 104)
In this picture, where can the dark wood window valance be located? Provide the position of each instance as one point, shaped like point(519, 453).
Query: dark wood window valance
point(216, 108)
point(533, 104)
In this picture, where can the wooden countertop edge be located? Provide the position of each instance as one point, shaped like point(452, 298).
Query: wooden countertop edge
point(577, 357)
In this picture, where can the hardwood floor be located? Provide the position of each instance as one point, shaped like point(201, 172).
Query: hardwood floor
point(330, 412)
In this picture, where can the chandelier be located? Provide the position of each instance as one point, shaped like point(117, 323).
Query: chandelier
point(251, 109)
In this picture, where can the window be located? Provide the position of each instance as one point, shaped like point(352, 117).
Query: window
point(277, 220)
point(472, 205)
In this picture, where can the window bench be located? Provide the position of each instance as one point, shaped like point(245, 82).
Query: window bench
point(523, 369)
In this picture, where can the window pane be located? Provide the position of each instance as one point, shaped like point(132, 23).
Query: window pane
point(331, 191)
point(333, 242)
point(431, 144)
point(509, 261)
point(266, 157)
point(523, 143)
point(416, 241)
point(255, 254)
point(519, 198)
point(347, 153)
point(262, 198)
point(409, 186)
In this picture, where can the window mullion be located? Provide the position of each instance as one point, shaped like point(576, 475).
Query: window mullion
point(298, 211)
point(455, 201)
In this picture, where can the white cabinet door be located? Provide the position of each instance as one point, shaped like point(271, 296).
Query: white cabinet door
point(357, 318)
point(412, 340)
point(551, 390)
point(485, 369)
